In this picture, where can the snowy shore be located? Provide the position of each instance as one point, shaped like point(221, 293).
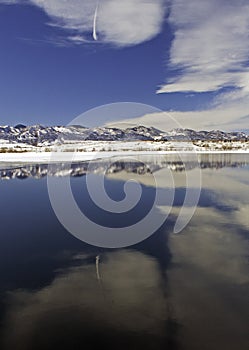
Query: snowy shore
point(57, 157)
point(88, 150)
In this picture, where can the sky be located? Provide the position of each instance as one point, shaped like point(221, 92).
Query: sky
point(187, 58)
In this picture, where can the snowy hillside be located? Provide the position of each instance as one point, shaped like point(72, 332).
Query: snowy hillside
point(41, 136)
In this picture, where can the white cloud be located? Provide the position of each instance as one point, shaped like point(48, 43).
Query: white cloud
point(230, 115)
point(209, 49)
point(119, 22)
point(210, 45)
point(131, 21)
point(9, 2)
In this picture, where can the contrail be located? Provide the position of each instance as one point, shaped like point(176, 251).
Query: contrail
point(95, 35)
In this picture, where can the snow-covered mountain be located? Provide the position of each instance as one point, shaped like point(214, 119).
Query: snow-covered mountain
point(38, 135)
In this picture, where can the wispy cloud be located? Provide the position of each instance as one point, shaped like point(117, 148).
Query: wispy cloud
point(9, 2)
point(230, 115)
point(210, 47)
point(119, 22)
point(209, 50)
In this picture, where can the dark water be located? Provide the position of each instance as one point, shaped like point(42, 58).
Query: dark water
point(171, 291)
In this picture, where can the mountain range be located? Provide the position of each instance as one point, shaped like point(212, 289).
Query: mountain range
point(38, 135)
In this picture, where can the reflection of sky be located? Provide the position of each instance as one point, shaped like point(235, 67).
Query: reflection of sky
point(209, 275)
point(206, 285)
point(76, 308)
point(209, 281)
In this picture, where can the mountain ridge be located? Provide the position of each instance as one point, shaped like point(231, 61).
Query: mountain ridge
point(39, 135)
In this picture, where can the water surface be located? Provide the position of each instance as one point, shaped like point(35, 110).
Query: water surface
point(171, 291)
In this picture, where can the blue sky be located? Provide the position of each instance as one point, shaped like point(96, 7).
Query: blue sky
point(188, 58)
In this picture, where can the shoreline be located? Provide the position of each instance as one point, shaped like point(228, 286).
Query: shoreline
point(57, 157)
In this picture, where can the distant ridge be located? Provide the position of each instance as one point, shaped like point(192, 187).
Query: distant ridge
point(38, 135)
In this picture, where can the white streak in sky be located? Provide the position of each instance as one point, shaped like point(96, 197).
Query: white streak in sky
point(121, 23)
point(95, 35)
point(97, 267)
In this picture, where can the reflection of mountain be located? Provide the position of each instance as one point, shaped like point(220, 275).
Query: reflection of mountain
point(143, 165)
point(168, 292)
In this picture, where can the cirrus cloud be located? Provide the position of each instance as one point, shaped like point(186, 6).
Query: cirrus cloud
point(121, 23)
point(210, 46)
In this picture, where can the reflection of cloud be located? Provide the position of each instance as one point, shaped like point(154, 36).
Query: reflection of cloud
point(163, 177)
point(226, 185)
point(241, 215)
point(212, 241)
point(225, 188)
point(209, 282)
point(210, 244)
point(78, 309)
point(160, 169)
